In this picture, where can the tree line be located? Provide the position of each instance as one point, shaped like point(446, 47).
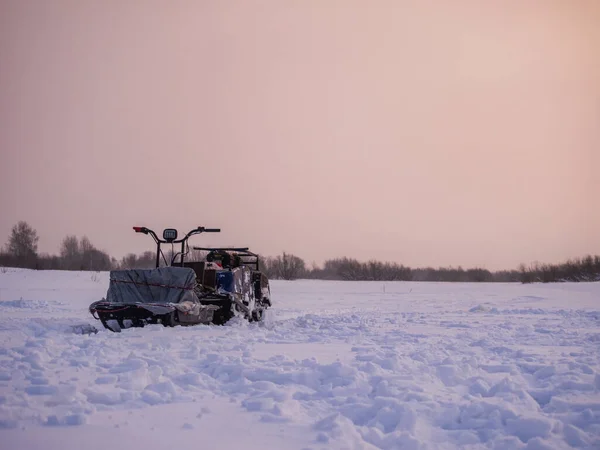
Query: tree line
point(579, 269)
point(290, 267)
point(75, 253)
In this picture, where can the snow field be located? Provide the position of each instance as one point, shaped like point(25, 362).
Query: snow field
point(357, 365)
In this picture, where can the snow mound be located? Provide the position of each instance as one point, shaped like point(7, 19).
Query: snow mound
point(24, 304)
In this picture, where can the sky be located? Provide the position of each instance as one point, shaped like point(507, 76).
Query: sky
point(429, 133)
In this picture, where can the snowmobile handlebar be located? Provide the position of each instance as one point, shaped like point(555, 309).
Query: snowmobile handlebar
point(176, 241)
point(170, 237)
point(200, 230)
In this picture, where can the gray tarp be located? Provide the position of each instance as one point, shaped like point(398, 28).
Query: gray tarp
point(162, 285)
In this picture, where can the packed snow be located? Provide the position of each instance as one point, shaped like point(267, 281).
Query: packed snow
point(335, 365)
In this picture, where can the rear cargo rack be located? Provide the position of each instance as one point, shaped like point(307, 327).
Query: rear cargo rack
point(247, 258)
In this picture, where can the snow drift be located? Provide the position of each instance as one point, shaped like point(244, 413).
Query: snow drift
point(356, 365)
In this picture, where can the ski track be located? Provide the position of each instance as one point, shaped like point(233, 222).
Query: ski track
point(347, 365)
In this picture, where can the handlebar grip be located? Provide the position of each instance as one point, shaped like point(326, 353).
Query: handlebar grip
point(212, 230)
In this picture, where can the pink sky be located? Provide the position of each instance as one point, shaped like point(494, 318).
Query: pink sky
point(424, 132)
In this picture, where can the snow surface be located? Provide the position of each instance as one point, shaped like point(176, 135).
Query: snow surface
point(356, 365)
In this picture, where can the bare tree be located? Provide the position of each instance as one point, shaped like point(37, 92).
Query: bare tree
point(287, 267)
point(70, 252)
point(22, 244)
point(81, 254)
point(89, 254)
point(93, 258)
point(85, 245)
point(129, 261)
point(146, 260)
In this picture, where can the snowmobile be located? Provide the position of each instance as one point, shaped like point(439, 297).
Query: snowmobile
point(226, 284)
